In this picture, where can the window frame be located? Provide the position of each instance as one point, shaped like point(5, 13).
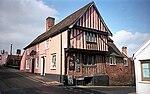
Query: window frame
point(125, 60)
point(37, 63)
point(88, 58)
point(53, 63)
point(47, 44)
point(113, 60)
point(37, 48)
point(142, 74)
point(90, 37)
point(28, 64)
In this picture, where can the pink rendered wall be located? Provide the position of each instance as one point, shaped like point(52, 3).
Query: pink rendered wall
point(4, 58)
point(55, 47)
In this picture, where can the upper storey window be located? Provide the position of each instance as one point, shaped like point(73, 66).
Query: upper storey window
point(47, 44)
point(90, 37)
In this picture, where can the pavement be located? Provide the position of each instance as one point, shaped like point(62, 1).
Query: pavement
point(36, 77)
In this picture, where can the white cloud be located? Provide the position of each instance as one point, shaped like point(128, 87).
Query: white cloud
point(21, 21)
point(131, 40)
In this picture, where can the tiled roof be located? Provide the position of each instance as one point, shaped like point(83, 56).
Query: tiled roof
point(61, 25)
point(112, 49)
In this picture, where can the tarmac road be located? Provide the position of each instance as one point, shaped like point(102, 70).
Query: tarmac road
point(14, 81)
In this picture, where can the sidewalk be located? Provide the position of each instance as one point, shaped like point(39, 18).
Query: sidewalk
point(36, 77)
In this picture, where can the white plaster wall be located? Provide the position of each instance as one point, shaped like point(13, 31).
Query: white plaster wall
point(142, 87)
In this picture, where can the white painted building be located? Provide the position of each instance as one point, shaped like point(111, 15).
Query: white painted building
point(142, 69)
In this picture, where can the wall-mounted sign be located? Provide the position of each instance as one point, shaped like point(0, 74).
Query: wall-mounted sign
point(71, 64)
point(77, 65)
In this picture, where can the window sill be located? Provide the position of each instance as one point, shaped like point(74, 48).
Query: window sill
point(112, 64)
point(145, 82)
point(53, 68)
point(89, 65)
point(46, 48)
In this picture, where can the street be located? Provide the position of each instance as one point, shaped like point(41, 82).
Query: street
point(13, 81)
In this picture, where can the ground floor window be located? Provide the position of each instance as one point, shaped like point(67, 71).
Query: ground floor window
point(145, 66)
point(112, 60)
point(28, 64)
point(125, 61)
point(37, 63)
point(53, 62)
point(89, 59)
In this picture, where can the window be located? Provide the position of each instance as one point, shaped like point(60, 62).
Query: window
point(47, 44)
point(37, 47)
point(145, 70)
point(125, 61)
point(90, 37)
point(89, 59)
point(28, 64)
point(37, 63)
point(28, 51)
point(112, 60)
point(53, 63)
point(87, 36)
point(94, 38)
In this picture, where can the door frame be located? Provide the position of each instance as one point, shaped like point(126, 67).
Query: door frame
point(33, 65)
point(43, 71)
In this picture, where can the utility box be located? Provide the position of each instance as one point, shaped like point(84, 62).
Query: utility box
point(101, 80)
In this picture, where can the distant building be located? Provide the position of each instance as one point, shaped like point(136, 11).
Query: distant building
point(4, 55)
point(14, 61)
point(142, 69)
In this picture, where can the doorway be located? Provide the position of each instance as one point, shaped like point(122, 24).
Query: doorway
point(33, 60)
point(43, 64)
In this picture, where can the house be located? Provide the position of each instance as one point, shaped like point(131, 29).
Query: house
point(4, 55)
point(142, 69)
point(13, 61)
point(120, 68)
point(75, 49)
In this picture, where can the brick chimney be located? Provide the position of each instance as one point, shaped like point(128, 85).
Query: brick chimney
point(124, 50)
point(49, 23)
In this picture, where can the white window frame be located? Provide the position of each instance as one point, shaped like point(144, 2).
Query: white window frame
point(37, 48)
point(125, 61)
point(147, 70)
point(47, 44)
point(37, 63)
point(53, 61)
point(28, 64)
point(112, 60)
point(28, 51)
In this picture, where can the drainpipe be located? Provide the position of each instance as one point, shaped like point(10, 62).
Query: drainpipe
point(61, 57)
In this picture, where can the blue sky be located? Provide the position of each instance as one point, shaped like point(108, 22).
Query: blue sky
point(128, 17)
point(24, 20)
point(132, 15)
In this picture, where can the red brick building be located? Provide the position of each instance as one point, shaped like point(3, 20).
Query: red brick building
point(120, 67)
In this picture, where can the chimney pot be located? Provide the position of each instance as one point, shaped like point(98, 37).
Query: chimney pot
point(50, 21)
point(124, 50)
